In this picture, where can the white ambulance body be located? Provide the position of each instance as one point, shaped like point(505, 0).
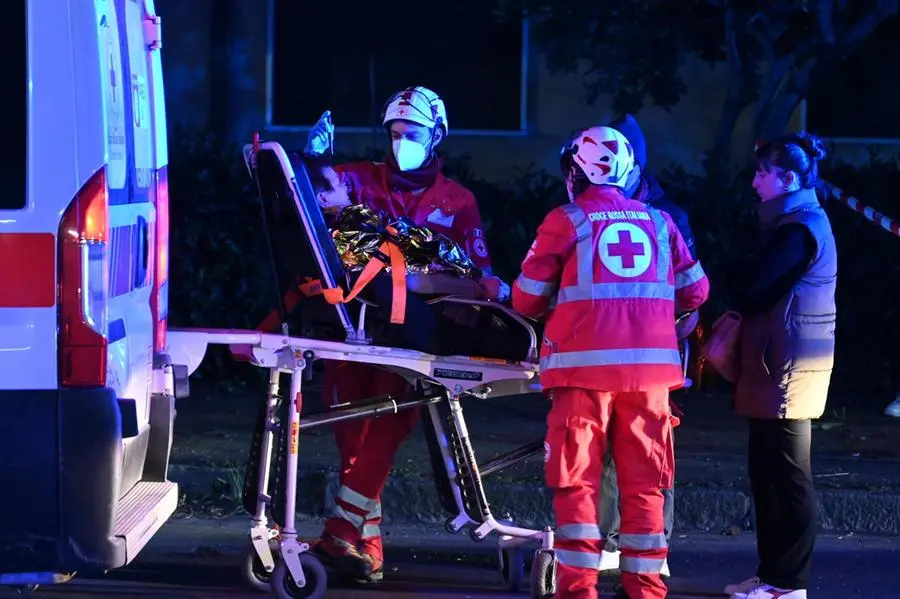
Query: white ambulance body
point(86, 394)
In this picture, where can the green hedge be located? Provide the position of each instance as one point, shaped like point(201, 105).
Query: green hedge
point(220, 274)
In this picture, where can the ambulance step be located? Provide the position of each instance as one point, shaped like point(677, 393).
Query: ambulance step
point(142, 512)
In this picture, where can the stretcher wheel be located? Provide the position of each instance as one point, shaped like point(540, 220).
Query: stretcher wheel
point(255, 573)
point(512, 568)
point(543, 574)
point(284, 587)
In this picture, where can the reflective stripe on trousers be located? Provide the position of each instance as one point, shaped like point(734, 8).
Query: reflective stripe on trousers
point(580, 532)
point(357, 500)
point(372, 526)
point(645, 542)
point(368, 523)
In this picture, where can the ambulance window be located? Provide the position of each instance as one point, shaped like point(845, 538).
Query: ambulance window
point(13, 68)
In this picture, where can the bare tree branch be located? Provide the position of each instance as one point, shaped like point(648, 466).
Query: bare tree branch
point(781, 108)
point(777, 70)
point(765, 45)
point(731, 38)
point(772, 49)
point(866, 24)
point(826, 21)
point(765, 30)
point(733, 104)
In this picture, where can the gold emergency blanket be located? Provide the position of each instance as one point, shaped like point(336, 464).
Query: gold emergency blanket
point(358, 232)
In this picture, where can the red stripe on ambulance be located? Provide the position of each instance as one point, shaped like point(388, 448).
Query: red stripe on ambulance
point(27, 270)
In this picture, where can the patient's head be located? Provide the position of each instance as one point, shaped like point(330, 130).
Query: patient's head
point(331, 194)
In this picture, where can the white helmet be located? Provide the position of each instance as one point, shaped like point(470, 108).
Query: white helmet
point(602, 154)
point(417, 104)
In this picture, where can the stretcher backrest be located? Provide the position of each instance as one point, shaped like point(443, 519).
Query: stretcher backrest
point(302, 249)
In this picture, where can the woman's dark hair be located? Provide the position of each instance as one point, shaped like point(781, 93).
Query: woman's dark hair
point(799, 153)
point(315, 167)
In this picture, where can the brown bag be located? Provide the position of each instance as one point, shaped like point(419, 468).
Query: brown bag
point(721, 346)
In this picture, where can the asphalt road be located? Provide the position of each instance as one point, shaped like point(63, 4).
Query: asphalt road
point(426, 563)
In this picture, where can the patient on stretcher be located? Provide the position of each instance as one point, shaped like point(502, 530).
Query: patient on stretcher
point(433, 266)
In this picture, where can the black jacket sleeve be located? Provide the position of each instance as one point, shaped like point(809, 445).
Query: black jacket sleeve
point(761, 281)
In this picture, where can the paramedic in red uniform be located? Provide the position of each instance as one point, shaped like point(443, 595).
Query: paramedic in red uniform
point(609, 273)
point(409, 183)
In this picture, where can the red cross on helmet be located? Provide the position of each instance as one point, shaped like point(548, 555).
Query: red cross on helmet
point(601, 153)
point(417, 104)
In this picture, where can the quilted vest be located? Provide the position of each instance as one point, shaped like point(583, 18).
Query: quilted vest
point(787, 353)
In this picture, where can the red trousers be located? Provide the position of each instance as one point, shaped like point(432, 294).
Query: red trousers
point(367, 448)
point(641, 434)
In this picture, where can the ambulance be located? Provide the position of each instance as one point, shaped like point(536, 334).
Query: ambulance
point(87, 394)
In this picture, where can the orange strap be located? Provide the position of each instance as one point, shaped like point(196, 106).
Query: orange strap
point(313, 287)
point(273, 320)
point(398, 282)
point(309, 288)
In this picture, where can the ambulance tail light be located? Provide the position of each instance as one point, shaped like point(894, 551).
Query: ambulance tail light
point(83, 286)
point(159, 298)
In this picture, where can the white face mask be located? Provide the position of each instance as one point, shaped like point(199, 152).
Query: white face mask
point(409, 154)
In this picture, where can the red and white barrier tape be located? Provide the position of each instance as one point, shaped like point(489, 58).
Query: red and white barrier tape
point(888, 224)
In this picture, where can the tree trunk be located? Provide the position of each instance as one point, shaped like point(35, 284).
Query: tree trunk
point(719, 160)
point(778, 116)
point(778, 113)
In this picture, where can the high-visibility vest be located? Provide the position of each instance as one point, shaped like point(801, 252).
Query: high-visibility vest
point(608, 272)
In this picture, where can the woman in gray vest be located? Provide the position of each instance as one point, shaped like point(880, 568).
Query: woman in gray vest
point(785, 296)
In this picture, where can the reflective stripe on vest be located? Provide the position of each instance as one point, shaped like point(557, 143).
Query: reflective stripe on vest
point(664, 255)
point(586, 289)
point(611, 357)
point(662, 291)
point(584, 243)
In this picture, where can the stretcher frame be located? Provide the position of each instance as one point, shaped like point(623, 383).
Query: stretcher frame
point(440, 383)
point(295, 356)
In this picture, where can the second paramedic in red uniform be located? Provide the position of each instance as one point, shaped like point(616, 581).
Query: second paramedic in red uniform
point(409, 183)
point(609, 274)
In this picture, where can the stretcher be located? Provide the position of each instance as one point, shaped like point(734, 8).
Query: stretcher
point(304, 258)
